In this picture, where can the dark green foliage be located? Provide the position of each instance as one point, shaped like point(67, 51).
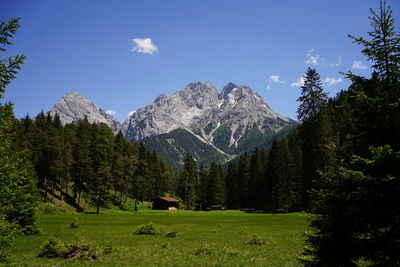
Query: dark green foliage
point(215, 186)
point(84, 159)
point(357, 216)
point(145, 229)
point(8, 231)
point(383, 49)
point(221, 137)
point(188, 182)
point(176, 144)
point(56, 248)
point(312, 98)
point(17, 192)
point(252, 138)
point(53, 248)
point(356, 202)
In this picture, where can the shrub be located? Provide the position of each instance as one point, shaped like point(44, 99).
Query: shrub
point(7, 233)
point(82, 249)
point(145, 229)
point(171, 234)
point(165, 245)
point(255, 240)
point(205, 249)
point(231, 251)
point(53, 248)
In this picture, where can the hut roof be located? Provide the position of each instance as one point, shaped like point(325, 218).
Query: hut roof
point(169, 199)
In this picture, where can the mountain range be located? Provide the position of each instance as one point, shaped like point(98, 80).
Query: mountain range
point(198, 120)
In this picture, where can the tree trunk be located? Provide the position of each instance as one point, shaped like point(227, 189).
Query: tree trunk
point(79, 199)
point(98, 203)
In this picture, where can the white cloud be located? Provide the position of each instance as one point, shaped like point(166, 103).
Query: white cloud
point(339, 61)
point(312, 58)
point(298, 83)
point(144, 45)
point(358, 65)
point(332, 81)
point(131, 112)
point(273, 79)
point(111, 112)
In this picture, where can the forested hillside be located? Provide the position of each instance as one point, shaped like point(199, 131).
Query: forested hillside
point(87, 159)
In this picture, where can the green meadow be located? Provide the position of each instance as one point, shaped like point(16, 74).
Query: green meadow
point(215, 238)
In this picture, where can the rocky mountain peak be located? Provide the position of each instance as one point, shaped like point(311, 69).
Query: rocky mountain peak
point(226, 90)
point(73, 106)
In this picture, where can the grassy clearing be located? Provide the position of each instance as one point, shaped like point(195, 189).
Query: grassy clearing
point(216, 238)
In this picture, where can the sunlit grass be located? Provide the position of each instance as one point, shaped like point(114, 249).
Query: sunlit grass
point(222, 233)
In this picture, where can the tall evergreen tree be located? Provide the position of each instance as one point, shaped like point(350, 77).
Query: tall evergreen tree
point(101, 153)
point(215, 194)
point(383, 49)
point(188, 182)
point(313, 98)
point(357, 220)
point(16, 188)
point(232, 186)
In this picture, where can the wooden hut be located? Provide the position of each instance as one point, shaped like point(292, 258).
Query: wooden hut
point(165, 203)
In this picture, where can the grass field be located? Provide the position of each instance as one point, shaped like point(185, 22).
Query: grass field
point(220, 234)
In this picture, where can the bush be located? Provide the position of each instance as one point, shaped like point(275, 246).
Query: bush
point(171, 234)
point(145, 229)
point(7, 233)
point(255, 240)
point(53, 248)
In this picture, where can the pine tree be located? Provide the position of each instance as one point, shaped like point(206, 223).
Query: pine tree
point(313, 98)
point(82, 168)
point(188, 182)
point(232, 186)
point(384, 47)
point(101, 154)
point(16, 188)
point(358, 214)
point(215, 194)
point(356, 205)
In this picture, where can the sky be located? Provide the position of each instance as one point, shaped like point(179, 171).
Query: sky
point(123, 54)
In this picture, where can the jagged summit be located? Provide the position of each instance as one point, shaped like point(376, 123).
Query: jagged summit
point(201, 109)
point(197, 120)
point(74, 106)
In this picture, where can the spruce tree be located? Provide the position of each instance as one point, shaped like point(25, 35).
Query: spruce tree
point(17, 200)
point(313, 97)
point(383, 49)
point(357, 220)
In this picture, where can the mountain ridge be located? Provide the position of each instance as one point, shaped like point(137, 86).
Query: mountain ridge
point(229, 122)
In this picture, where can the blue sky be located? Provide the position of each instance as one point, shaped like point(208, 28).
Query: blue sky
point(123, 54)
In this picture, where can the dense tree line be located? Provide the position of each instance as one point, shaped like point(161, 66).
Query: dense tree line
point(356, 204)
point(84, 159)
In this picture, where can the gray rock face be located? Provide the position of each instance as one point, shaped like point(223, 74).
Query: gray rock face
point(73, 106)
point(200, 109)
